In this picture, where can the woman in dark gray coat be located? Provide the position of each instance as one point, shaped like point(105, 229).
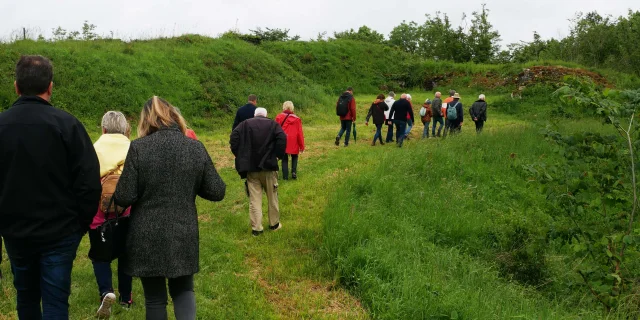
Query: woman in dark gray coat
point(163, 173)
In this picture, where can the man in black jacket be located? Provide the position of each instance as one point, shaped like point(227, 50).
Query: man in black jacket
point(478, 113)
point(258, 143)
point(49, 192)
point(455, 115)
point(246, 112)
point(399, 111)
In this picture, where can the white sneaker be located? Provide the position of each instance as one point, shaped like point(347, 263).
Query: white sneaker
point(104, 312)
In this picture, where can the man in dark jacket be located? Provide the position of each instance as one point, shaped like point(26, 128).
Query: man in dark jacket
point(347, 119)
point(49, 192)
point(399, 112)
point(377, 110)
point(455, 115)
point(246, 112)
point(438, 117)
point(258, 143)
point(478, 112)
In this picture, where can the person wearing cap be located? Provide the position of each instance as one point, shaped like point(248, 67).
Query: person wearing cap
point(426, 118)
point(454, 124)
point(445, 103)
point(257, 144)
point(389, 101)
point(478, 113)
point(438, 114)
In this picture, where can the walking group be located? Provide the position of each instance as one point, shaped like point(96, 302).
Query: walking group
point(399, 114)
point(135, 199)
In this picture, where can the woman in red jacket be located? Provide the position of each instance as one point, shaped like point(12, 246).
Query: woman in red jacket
point(292, 126)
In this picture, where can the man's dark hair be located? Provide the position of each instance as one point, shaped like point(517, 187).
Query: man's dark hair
point(350, 89)
point(33, 75)
point(253, 97)
point(451, 92)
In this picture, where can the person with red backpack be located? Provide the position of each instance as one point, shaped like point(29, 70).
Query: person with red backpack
point(346, 109)
point(292, 127)
point(377, 110)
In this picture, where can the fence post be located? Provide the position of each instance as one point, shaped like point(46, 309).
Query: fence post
point(24, 33)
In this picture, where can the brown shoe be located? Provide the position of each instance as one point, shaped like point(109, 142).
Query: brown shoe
point(373, 143)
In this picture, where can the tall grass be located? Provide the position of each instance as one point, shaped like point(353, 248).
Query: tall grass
point(448, 229)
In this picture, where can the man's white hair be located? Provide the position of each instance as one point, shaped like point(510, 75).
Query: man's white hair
point(482, 97)
point(403, 96)
point(438, 94)
point(408, 96)
point(260, 112)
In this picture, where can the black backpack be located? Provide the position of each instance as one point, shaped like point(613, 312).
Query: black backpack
point(342, 108)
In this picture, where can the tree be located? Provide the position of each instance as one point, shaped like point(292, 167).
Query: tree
point(88, 31)
point(364, 34)
point(483, 40)
point(273, 34)
point(406, 36)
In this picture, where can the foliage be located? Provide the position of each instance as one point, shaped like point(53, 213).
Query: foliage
point(594, 41)
point(364, 34)
point(592, 194)
point(483, 40)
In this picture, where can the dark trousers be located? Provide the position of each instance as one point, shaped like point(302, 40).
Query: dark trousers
point(378, 135)
point(345, 126)
point(479, 126)
point(285, 165)
point(453, 127)
point(102, 271)
point(425, 131)
point(389, 133)
point(437, 121)
point(401, 126)
point(43, 273)
point(182, 294)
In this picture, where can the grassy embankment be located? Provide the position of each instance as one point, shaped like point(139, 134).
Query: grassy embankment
point(439, 229)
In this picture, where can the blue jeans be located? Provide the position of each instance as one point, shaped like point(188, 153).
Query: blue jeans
point(43, 273)
point(436, 121)
point(408, 129)
point(401, 126)
point(378, 134)
point(345, 126)
point(389, 133)
point(425, 132)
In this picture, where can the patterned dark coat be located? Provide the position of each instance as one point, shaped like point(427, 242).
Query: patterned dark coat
point(162, 175)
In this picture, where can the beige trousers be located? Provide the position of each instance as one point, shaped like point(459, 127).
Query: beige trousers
point(257, 182)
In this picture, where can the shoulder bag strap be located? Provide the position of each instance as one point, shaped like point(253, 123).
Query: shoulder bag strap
point(285, 119)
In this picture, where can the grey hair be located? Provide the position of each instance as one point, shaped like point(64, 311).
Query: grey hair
point(115, 122)
point(452, 92)
point(260, 112)
point(392, 94)
point(482, 97)
point(403, 96)
point(438, 94)
point(408, 97)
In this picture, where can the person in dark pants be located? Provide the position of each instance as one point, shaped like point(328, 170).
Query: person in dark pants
point(111, 148)
point(347, 119)
point(246, 112)
point(389, 101)
point(292, 126)
point(455, 116)
point(402, 111)
point(438, 116)
point(49, 192)
point(478, 113)
point(163, 173)
point(377, 110)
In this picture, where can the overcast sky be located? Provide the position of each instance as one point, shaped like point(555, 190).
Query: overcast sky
point(514, 19)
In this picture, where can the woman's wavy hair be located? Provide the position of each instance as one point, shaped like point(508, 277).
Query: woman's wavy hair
point(158, 113)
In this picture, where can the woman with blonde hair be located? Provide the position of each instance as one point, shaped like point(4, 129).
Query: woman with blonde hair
point(163, 173)
point(292, 127)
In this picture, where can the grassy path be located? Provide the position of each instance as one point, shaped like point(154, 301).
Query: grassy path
point(280, 275)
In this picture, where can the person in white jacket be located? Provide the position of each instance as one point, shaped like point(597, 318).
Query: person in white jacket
point(389, 101)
